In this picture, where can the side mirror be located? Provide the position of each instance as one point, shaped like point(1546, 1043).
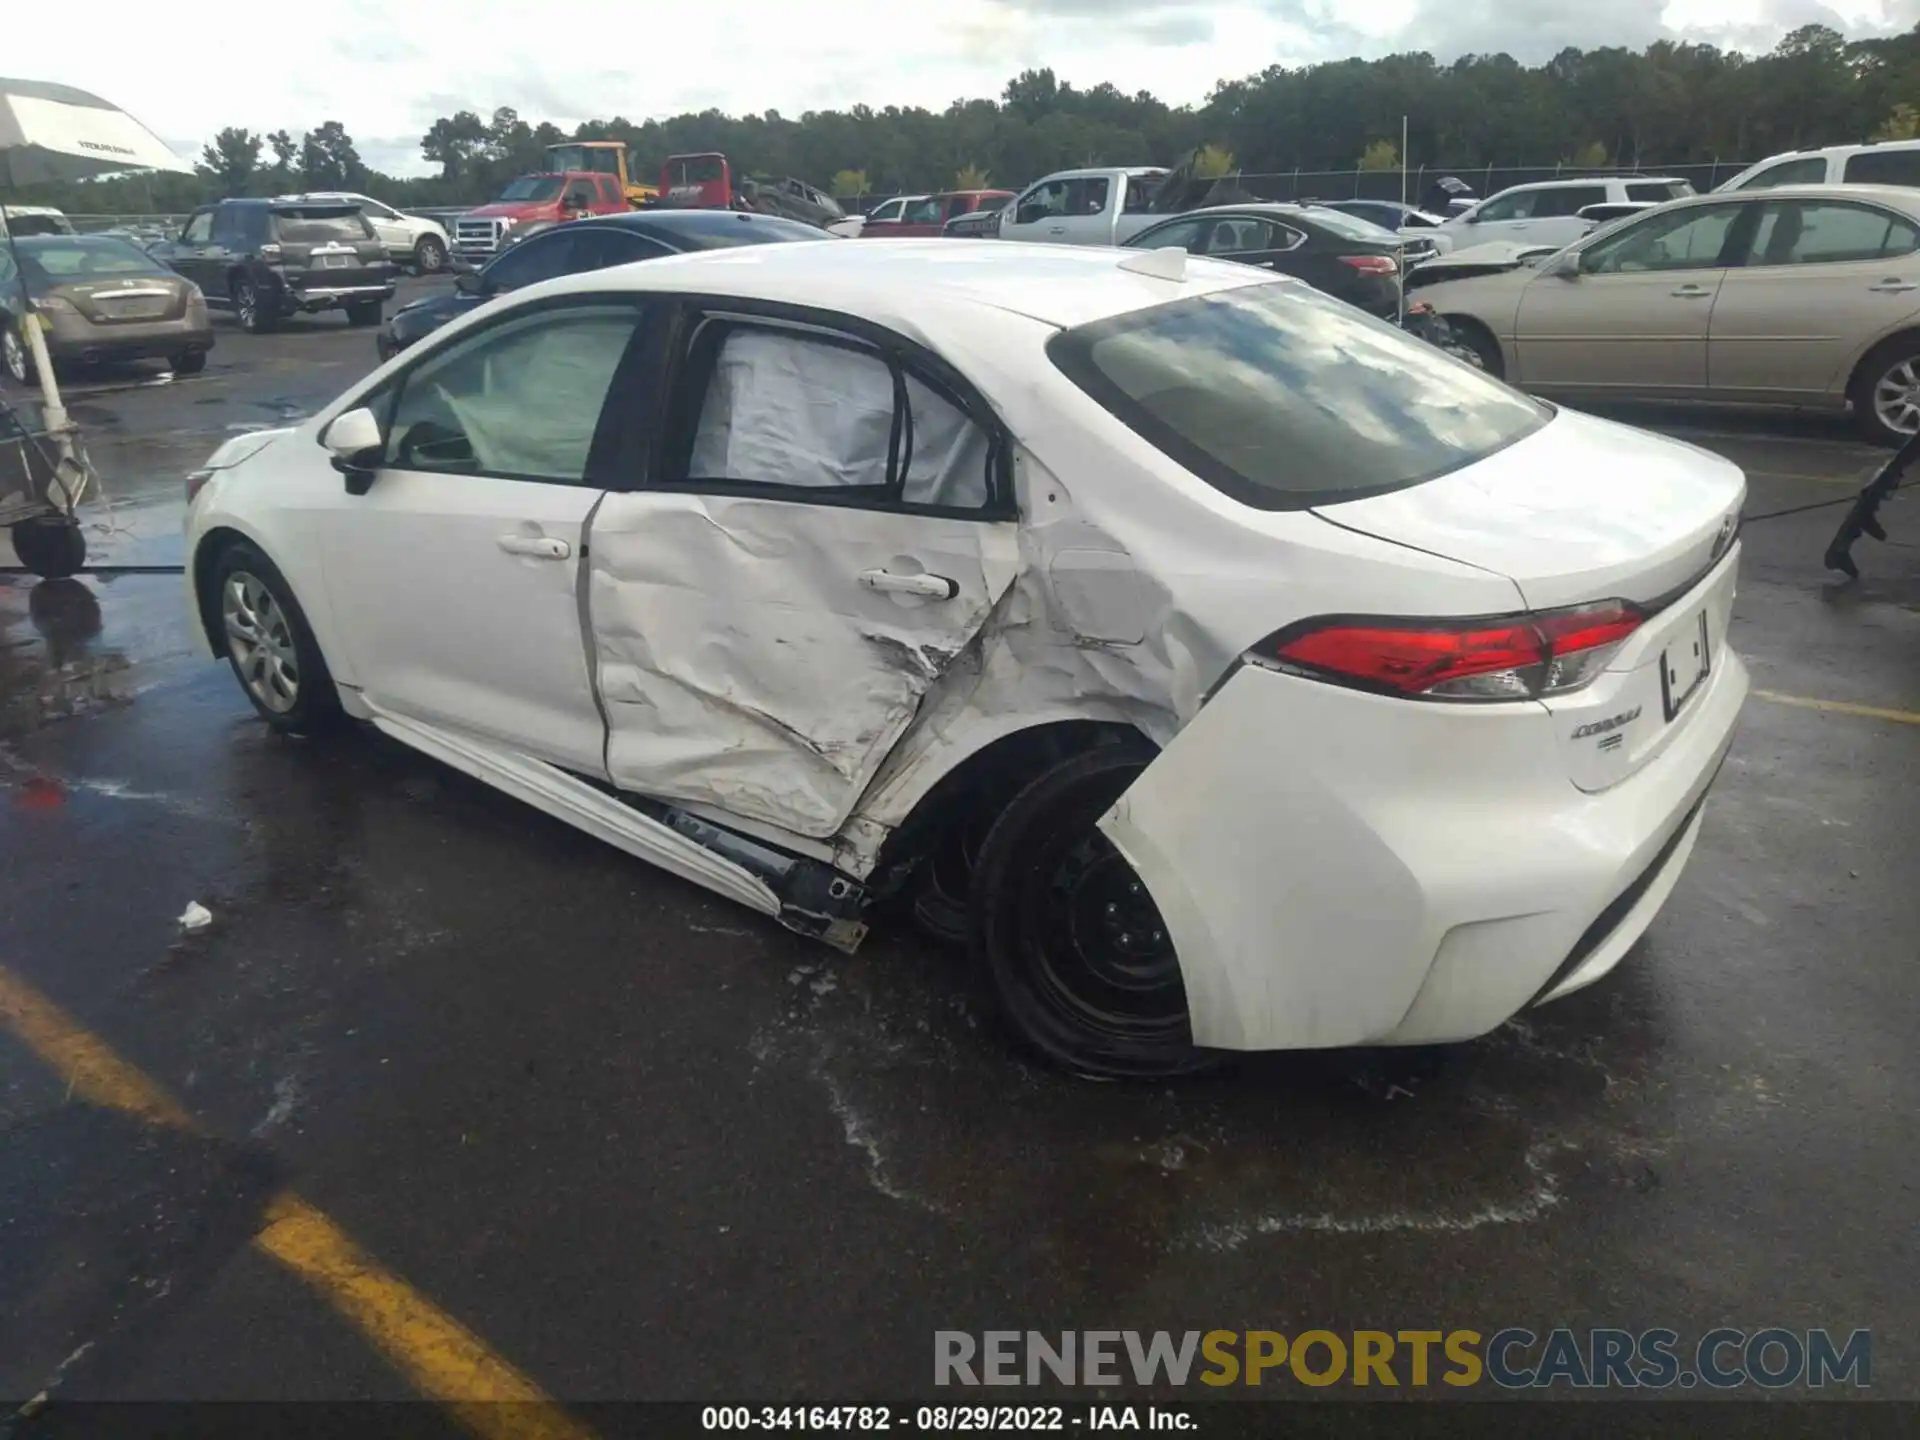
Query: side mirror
point(1472, 217)
point(1565, 266)
point(468, 282)
point(355, 441)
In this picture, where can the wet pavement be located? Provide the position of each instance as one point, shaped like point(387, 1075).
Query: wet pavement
point(647, 1144)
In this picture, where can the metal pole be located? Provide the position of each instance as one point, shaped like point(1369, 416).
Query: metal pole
point(68, 468)
point(1403, 160)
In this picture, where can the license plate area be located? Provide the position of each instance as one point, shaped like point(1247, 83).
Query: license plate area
point(1684, 666)
point(335, 262)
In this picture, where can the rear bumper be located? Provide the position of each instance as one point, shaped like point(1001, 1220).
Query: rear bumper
point(1343, 869)
point(332, 297)
point(162, 340)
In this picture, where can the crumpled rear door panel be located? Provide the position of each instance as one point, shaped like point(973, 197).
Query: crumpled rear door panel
point(744, 665)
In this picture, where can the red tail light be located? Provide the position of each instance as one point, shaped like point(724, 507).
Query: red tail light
point(1519, 657)
point(1372, 264)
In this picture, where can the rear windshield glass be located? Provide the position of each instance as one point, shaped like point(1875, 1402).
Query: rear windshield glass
point(1284, 398)
point(1884, 167)
point(18, 224)
point(317, 227)
point(75, 257)
point(736, 229)
point(697, 171)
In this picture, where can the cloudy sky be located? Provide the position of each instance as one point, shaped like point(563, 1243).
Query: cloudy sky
point(396, 66)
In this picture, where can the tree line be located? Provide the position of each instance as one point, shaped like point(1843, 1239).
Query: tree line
point(1669, 104)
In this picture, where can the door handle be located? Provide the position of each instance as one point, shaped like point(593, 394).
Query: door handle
point(934, 587)
point(1691, 292)
point(1056, 229)
point(536, 547)
point(1892, 285)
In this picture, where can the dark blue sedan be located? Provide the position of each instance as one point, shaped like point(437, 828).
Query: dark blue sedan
point(590, 244)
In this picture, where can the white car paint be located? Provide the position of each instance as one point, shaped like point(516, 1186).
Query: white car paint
point(1097, 206)
point(1336, 867)
point(1547, 212)
point(1879, 162)
point(399, 232)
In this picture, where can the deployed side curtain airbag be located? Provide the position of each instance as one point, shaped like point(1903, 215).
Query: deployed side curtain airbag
point(786, 409)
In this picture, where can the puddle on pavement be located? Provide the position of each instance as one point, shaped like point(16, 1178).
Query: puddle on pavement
point(61, 659)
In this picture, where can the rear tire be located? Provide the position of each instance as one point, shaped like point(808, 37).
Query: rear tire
point(192, 363)
point(250, 308)
point(1079, 959)
point(367, 313)
point(1476, 340)
point(270, 645)
point(429, 255)
point(1886, 392)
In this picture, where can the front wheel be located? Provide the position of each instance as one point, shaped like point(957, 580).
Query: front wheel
point(270, 645)
point(430, 255)
point(1475, 344)
point(1886, 392)
point(1080, 961)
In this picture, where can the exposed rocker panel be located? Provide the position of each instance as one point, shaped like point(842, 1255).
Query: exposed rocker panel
point(579, 804)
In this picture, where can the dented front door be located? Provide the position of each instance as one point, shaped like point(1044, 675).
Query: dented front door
point(763, 655)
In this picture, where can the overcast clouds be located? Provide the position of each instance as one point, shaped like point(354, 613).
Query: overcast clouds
point(395, 67)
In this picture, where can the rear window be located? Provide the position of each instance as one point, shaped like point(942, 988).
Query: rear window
point(1658, 189)
point(1884, 167)
point(18, 224)
point(698, 171)
point(1350, 227)
point(1283, 398)
point(76, 257)
point(318, 227)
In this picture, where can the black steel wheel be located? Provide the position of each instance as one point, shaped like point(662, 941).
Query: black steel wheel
point(1080, 961)
point(50, 546)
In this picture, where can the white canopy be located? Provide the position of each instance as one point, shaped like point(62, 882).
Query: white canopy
point(53, 132)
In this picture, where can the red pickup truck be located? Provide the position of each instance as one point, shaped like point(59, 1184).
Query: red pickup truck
point(532, 202)
point(929, 213)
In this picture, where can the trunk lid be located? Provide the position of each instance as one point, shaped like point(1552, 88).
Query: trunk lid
point(127, 300)
point(328, 247)
point(1582, 509)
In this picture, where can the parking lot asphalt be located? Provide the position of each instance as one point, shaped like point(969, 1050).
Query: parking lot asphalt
point(637, 1143)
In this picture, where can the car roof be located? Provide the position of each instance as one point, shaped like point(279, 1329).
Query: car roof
point(905, 283)
point(1901, 197)
point(1591, 180)
point(1838, 150)
point(667, 221)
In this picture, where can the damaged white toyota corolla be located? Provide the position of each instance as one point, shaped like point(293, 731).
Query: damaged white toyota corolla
point(1230, 671)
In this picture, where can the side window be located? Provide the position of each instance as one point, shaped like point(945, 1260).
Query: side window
point(1690, 239)
point(609, 190)
point(1809, 171)
point(580, 193)
point(226, 225)
point(1826, 232)
point(520, 399)
point(803, 412)
point(1139, 191)
point(1042, 201)
point(1238, 235)
point(922, 212)
point(1884, 167)
point(887, 213)
point(1088, 196)
point(199, 229)
point(1568, 200)
point(531, 261)
point(1518, 206)
point(1181, 235)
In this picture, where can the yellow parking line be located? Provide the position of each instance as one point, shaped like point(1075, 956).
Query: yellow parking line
point(1843, 707)
point(446, 1361)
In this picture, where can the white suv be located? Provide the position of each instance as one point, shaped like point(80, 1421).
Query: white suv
point(1547, 212)
point(1891, 162)
point(410, 239)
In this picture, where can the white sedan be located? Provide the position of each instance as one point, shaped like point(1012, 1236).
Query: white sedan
point(1227, 669)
